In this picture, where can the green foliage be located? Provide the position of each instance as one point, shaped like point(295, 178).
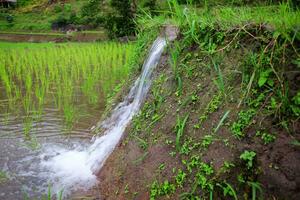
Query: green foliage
point(121, 21)
point(92, 12)
point(212, 106)
point(295, 107)
point(228, 190)
point(161, 189)
point(243, 121)
point(266, 137)
point(179, 128)
point(180, 178)
point(248, 157)
point(207, 140)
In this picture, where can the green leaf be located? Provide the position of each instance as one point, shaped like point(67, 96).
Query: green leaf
point(263, 77)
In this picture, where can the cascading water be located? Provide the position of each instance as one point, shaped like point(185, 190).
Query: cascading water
point(76, 169)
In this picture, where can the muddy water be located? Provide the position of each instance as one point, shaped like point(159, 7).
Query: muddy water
point(20, 158)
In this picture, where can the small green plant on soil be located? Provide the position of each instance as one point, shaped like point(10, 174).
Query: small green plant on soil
point(248, 157)
point(207, 140)
point(266, 137)
point(180, 178)
point(296, 104)
point(243, 121)
point(227, 166)
point(212, 106)
point(157, 189)
point(179, 128)
point(228, 190)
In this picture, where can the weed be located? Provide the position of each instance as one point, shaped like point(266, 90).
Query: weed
point(266, 137)
point(212, 106)
point(161, 189)
point(255, 186)
point(244, 120)
point(221, 121)
point(180, 178)
point(219, 81)
point(295, 143)
point(248, 157)
point(227, 166)
point(207, 140)
point(227, 190)
point(179, 128)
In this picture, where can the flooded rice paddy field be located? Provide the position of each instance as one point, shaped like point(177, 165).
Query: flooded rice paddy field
point(50, 97)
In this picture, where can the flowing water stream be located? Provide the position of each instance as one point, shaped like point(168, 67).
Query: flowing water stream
point(70, 165)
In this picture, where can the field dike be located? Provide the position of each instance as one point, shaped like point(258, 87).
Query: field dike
point(213, 125)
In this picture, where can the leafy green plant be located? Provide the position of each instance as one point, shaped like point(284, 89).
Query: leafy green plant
point(244, 119)
point(266, 137)
point(180, 178)
point(295, 107)
point(161, 189)
point(248, 157)
point(207, 140)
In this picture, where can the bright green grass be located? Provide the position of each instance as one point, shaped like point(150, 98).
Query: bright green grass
point(281, 18)
point(35, 75)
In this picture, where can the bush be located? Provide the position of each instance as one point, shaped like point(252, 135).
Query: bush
point(121, 22)
point(91, 13)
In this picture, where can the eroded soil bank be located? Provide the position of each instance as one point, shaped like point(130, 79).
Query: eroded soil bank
point(230, 145)
point(53, 37)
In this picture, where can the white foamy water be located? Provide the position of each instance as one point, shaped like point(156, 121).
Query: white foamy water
point(75, 169)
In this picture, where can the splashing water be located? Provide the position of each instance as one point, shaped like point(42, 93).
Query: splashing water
point(75, 169)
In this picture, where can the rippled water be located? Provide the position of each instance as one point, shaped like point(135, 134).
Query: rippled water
point(20, 158)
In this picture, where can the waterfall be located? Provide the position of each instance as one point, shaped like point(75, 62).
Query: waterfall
point(77, 169)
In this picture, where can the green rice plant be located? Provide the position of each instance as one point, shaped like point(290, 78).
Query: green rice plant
point(62, 75)
point(69, 115)
point(179, 128)
point(27, 126)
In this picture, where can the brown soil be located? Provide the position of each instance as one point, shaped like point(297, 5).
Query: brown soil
point(75, 37)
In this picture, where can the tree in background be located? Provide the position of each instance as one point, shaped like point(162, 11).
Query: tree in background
point(92, 13)
point(120, 22)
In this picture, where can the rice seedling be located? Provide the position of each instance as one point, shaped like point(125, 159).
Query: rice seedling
point(61, 75)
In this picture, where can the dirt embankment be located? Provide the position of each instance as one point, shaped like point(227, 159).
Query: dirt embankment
point(185, 143)
point(53, 37)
